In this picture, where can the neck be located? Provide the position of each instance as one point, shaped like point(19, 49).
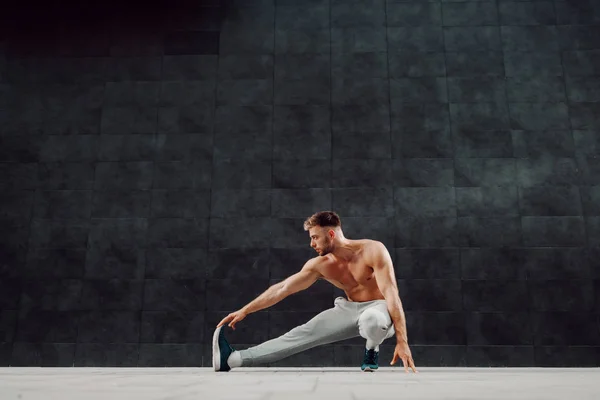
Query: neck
point(343, 249)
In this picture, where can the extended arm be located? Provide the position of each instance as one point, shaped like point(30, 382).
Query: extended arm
point(295, 283)
point(274, 294)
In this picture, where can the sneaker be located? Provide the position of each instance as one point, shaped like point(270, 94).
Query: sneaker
point(370, 361)
point(221, 351)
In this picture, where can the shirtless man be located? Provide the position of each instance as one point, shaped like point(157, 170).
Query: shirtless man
point(363, 270)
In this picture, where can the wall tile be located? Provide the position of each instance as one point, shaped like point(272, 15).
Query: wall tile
point(486, 296)
point(500, 356)
point(106, 355)
point(436, 328)
point(359, 15)
point(164, 327)
point(470, 14)
point(37, 326)
point(238, 263)
point(189, 67)
point(419, 38)
point(299, 203)
point(482, 331)
point(175, 295)
point(170, 355)
point(423, 172)
point(553, 231)
point(427, 264)
point(472, 38)
point(560, 328)
point(176, 263)
point(574, 295)
point(300, 41)
point(489, 201)
point(530, 38)
point(42, 355)
point(430, 294)
point(482, 172)
point(527, 13)
point(535, 144)
point(533, 64)
point(496, 263)
point(474, 63)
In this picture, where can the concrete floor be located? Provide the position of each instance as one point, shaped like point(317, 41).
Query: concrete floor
point(298, 383)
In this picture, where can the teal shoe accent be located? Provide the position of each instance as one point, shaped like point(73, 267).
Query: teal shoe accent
point(370, 361)
point(221, 351)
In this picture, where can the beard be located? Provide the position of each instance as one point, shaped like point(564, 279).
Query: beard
point(325, 250)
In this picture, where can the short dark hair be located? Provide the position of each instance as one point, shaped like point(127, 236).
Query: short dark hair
point(322, 218)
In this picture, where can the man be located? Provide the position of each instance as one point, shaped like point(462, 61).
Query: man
point(363, 270)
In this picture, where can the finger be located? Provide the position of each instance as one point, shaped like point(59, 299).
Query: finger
point(223, 321)
point(412, 365)
point(404, 361)
point(394, 359)
point(233, 322)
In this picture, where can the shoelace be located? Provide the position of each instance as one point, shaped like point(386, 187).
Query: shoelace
point(371, 356)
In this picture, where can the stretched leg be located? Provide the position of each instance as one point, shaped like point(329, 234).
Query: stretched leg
point(332, 325)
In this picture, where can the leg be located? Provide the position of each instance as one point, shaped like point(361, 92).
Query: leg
point(333, 325)
point(375, 325)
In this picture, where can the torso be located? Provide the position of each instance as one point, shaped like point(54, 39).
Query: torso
point(355, 277)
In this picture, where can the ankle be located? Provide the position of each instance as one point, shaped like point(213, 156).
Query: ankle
point(235, 359)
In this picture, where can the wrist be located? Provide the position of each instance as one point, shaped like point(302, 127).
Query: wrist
point(401, 340)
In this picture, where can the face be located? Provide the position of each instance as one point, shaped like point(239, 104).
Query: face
point(321, 240)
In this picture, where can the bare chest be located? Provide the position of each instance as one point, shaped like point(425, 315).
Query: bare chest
point(348, 276)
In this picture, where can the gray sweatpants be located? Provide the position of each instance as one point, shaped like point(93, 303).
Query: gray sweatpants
point(347, 319)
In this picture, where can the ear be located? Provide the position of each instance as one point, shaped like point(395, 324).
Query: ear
point(331, 233)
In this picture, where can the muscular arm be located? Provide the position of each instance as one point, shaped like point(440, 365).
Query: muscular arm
point(295, 283)
point(386, 281)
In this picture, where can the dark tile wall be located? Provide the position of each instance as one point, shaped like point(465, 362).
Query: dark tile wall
point(156, 168)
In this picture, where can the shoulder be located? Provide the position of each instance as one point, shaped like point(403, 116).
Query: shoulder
point(374, 250)
point(373, 246)
point(317, 264)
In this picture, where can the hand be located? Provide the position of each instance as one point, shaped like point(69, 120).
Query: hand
point(402, 351)
point(234, 317)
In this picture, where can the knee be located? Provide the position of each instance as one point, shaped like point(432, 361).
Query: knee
point(373, 323)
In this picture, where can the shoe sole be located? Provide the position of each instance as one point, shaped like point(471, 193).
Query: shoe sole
point(369, 369)
point(216, 354)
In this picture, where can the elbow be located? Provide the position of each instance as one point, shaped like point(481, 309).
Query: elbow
point(282, 290)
